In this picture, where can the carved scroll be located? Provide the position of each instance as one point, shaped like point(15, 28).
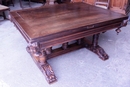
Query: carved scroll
point(124, 23)
point(41, 60)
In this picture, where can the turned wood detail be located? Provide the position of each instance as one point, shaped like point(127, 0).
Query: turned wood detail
point(95, 40)
point(79, 41)
point(48, 50)
point(35, 49)
point(49, 73)
point(65, 45)
point(124, 23)
point(40, 57)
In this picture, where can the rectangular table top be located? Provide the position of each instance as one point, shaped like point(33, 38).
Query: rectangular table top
point(54, 19)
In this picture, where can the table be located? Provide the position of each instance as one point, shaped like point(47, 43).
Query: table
point(47, 26)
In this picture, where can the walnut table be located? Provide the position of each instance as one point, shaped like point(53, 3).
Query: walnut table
point(48, 26)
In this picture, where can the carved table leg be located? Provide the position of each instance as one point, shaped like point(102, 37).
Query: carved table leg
point(47, 70)
point(21, 5)
point(65, 45)
point(41, 60)
point(97, 49)
point(79, 41)
point(50, 76)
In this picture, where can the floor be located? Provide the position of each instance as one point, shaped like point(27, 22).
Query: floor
point(80, 68)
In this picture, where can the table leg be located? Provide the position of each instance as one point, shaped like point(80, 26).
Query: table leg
point(40, 58)
point(65, 45)
point(79, 41)
point(97, 49)
point(46, 69)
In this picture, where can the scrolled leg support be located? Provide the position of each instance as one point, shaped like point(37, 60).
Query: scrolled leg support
point(46, 68)
point(97, 49)
point(40, 59)
point(49, 74)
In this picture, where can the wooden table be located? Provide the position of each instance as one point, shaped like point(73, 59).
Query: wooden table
point(48, 26)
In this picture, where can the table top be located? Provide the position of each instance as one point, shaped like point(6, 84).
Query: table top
point(54, 19)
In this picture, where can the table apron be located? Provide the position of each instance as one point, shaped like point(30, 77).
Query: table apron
point(75, 36)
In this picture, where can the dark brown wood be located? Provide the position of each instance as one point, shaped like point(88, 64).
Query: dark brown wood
point(97, 49)
point(65, 45)
point(40, 58)
point(79, 41)
point(48, 26)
